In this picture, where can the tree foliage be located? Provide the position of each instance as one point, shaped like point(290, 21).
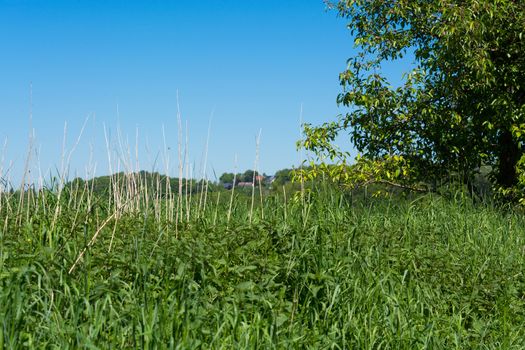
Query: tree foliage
point(460, 107)
point(249, 176)
point(227, 178)
point(282, 177)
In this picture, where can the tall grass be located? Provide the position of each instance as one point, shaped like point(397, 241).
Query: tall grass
point(321, 270)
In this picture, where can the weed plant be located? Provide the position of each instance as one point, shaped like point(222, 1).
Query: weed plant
point(323, 270)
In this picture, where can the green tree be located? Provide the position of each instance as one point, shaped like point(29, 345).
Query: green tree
point(248, 176)
point(461, 106)
point(226, 178)
point(282, 177)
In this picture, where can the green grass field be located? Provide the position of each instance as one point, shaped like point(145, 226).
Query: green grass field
point(326, 271)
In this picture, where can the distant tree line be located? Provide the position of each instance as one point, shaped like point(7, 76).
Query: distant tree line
point(153, 182)
point(160, 184)
point(280, 178)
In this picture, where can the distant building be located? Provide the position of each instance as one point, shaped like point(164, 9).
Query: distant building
point(227, 186)
point(245, 184)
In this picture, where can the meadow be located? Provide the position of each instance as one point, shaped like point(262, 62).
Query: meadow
point(319, 269)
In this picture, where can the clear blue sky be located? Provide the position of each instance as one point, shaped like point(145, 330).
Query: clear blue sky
point(250, 63)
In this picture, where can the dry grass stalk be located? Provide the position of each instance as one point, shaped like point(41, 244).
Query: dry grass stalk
point(181, 162)
point(216, 208)
point(257, 140)
point(259, 177)
point(187, 165)
point(137, 180)
point(233, 190)
point(301, 153)
point(26, 174)
point(167, 193)
point(108, 149)
point(285, 205)
point(3, 184)
point(181, 166)
point(204, 178)
point(61, 178)
point(93, 239)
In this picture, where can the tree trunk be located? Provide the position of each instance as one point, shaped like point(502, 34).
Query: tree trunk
point(509, 155)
